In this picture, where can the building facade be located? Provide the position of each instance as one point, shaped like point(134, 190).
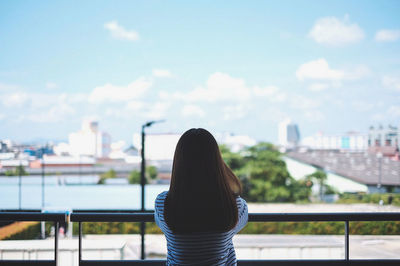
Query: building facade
point(351, 141)
point(288, 134)
point(90, 141)
point(383, 136)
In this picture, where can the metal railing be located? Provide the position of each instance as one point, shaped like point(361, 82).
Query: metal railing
point(253, 217)
point(56, 218)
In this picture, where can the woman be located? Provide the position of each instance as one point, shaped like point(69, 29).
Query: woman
point(202, 210)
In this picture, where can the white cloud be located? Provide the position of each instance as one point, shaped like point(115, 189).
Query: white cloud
point(58, 112)
point(333, 31)
point(265, 91)
point(51, 85)
point(391, 113)
point(318, 86)
point(387, 35)
point(394, 111)
point(302, 102)
point(391, 82)
point(358, 72)
point(192, 110)
point(234, 112)
point(162, 73)
point(8, 87)
point(362, 106)
point(314, 116)
point(15, 99)
point(318, 69)
point(134, 106)
point(221, 87)
point(113, 93)
point(157, 110)
point(378, 117)
point(120, 33)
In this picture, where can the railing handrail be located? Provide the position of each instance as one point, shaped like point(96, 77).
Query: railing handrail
point(81, 217)
point(253, 217)
point(149, 216)
point(35, 216)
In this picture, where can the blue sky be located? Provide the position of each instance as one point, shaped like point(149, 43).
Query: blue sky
point(228, 66)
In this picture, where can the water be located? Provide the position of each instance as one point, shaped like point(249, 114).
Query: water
point(74, 192)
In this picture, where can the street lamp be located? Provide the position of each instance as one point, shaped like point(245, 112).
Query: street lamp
point(143, 180)
point(43, 187)
point(379, 185)
point(19, 184)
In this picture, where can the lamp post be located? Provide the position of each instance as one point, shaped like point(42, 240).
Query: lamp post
point(19, 184)
point(379, 185)
point(143, 181)
point(43, 186)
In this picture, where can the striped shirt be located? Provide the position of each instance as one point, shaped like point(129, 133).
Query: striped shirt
point(200, 248)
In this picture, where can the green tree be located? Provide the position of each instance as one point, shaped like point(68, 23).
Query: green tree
point(320, 177)
point(269, 178)
point(134, 177)
point(109, 174)
point(234, 160)
point(9, 172)
point(151, 172)
point(264, 175)
point(20, 170)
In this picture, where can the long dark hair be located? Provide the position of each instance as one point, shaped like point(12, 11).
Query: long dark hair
point(203, 190)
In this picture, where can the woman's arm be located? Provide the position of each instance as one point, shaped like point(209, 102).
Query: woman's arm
point(242, 213)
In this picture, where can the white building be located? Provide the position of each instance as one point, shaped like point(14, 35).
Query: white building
point(158, 146)
point(235, 142)
point(352, 141)
point(162, 146)
point(384, 136)
point(288, 134)
point(90, 141)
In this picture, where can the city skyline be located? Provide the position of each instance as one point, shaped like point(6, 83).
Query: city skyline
point(240, 68)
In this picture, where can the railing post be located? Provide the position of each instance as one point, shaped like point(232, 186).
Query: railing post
point(56, 227)
point(142, 232)
point(346, 243)
point(80, 243)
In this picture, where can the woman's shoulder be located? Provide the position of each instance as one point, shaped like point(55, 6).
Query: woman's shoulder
point(162, 194)
point(161, 197)
point(240, 201)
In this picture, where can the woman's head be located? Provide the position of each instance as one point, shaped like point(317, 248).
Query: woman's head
point(202, 194)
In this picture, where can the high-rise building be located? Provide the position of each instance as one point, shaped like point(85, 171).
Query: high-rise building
point(288, 134)
point(90, 141)
point(352, 141)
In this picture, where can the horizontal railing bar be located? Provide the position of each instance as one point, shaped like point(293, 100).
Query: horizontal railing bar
point(253, 217)
point(305, 262)
point(33, 216)
point(28, 262)
point(20, 210)
point(112, 217)
point(326, 217)
point(148, 216)
point(299, 262)
point(113, 211)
